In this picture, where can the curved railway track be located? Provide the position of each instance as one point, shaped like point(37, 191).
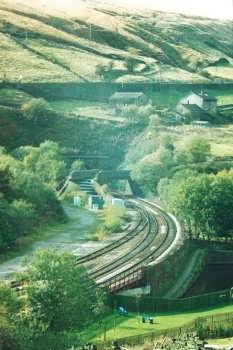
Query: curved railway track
point(133, 232)
point(149, 233)
point(132, 272)
point(155, 232)
point(146, 243)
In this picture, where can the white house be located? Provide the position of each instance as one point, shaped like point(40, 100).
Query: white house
point(203, 100)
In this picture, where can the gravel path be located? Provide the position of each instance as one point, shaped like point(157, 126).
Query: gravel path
point(70, 236)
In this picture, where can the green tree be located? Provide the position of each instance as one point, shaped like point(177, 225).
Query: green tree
point(10, 306)
point(197, 149)
point(45, 161)
point(60, 296)
point(138, 115)
point(130, 63)
point(5, 188)
point(35, 110)
point(25, 215)
point(26, 193)
point(152, 168)
point(100, 70)
point(204, 202)
point(77, 165)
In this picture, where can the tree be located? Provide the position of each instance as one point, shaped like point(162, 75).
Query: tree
point(204, 202)
point(137, 115)
point(9, 307)
point(100, 70)
point(45, 161)
point(197, 149)
point(152, 168)
point(130, 63)
point(104, 71)
point(77, 165)
point(35, 110)
point(110, 65)
point(5, 188)
point(59, 295)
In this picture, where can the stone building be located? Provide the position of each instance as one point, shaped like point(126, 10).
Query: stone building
point(120, 99)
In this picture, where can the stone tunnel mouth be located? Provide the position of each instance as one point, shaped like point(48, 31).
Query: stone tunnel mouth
point(212, 278)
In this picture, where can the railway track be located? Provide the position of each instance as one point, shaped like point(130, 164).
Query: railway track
point(148, 234)
point(153, 235)
point(129, 273)
point(133, 232)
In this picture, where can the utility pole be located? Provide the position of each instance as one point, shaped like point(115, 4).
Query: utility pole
point(90, 31)
point(26, 35)
point(77, 134)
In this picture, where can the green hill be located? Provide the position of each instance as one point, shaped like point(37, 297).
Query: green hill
point(38, 43)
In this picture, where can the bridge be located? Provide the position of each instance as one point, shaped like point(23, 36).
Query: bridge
point(71, 153)
point(105, 177)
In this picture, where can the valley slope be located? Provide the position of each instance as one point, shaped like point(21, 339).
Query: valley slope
point(40, 44)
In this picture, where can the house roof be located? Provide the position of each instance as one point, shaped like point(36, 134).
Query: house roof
point(206, 96)
point(126, 95)
point(195, 109)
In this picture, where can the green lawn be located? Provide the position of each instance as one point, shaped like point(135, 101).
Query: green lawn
point(119, 326)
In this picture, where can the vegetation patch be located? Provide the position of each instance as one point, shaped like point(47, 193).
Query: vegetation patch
point(27, 191)
point(111, 221)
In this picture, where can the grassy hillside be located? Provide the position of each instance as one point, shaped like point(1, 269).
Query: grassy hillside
point(68, 43)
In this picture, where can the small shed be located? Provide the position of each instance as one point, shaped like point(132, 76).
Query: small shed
point(128, 98)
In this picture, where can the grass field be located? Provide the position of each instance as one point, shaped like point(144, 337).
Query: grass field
point(169, 97)
point(115, 326)
point(65, 43)
point(14, 58)
point(88, 109)
point(72, 105)
point(223, 342)
point(220, 137)
point(220, 72)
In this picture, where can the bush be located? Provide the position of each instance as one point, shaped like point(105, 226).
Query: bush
point(35, 110)
point(130, 63)
point(74, 190)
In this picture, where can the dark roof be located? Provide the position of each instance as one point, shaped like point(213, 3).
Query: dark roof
point(126, 95)
point(206, 97)
point(195, 109)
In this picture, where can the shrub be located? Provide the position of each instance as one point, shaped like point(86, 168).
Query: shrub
point(35, 110)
